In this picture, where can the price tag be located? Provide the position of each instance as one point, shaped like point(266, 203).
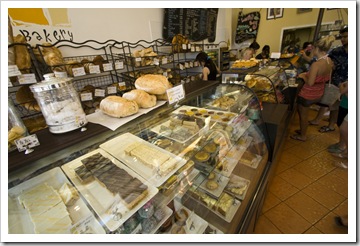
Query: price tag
point(27, 142)
point(138, 59)
point(111, 90)
point(165, 74)
point(191, 64)
point(79, 71)
point(187, 65)
point(184, 46)
point(119, 65)
point(175, 94)
point(181, 66)
point(189, 46)
point(107, 67)
point(190, 224)
point(27, 79)
point(198, 48)
point(99, 93)
point(196, 63)
point(156, 61)
point(192, 48)
point(86, 96)
point(94, 69)
point(13, 70)
point(60, 74)
point(164, 60)
point(275, 55)
point(83, 226)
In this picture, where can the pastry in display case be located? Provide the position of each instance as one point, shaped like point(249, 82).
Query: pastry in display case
point(189, 169)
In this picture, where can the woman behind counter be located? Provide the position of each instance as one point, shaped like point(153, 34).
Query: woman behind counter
point(210, 70)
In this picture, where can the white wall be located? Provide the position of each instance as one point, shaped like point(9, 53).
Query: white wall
point(121, 24)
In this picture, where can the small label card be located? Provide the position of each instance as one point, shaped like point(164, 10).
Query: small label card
point(107, 67)
point(86, 96)
point(275, 55)
point(156, 61)
point(79, 71)
point(13, 70)
point(164, 60)
point(27, 79)
point(99, 92)
point(27, 142)
point(111, 90)
point(94, 69)
point(119, 65)
point(83, 226)
point(175, 94)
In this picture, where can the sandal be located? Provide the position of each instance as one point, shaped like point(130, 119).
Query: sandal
point(339, 222)
point(326, 129)
point(297, 137)
point(336, 149)
point(298, 131)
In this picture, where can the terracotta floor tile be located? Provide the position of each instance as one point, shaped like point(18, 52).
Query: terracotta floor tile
point(264, 226)
point(287, 220)
point(307, 207)
point(341, 173)
point(282, 189)
point(315, 167)
point(270, 201)
point(324, 195)
point(296, 178)
point(342, 209)
point(336, 183)
point(313, 230)
point(303, 151)
point(328, 226)
point(289, 158)
point(281, 166)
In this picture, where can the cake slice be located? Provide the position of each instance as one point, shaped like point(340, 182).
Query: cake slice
point(68, 194)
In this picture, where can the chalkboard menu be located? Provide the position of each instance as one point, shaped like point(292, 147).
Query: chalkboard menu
point(195, 24)
point(247, 27)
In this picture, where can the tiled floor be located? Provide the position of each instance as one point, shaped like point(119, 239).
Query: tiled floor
point(307, 191)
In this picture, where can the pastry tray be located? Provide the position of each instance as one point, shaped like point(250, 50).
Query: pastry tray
point(199, 224)
point(116, 147)
point(254, 163)
point(236, 181)
point(203, 113)
point(112, 212)
point(157, 128)
point(222, 181)
point(19, 219)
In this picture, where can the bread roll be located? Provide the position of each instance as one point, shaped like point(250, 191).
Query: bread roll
point(142, 98)
point(153, 84)
point(116, 106)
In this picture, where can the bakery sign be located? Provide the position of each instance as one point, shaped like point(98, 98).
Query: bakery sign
point(39, 25)
point(247, 26)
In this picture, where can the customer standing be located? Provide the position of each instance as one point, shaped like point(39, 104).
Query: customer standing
point(339, 56)
point(210, 70)
point(265, 53)
point(314, 84)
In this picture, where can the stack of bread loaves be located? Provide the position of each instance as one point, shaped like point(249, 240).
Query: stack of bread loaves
point(148, 88)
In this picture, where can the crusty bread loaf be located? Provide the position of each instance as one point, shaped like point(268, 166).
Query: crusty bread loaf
point(142, 98)
point(153, 84)
point(22, 56)
point(116, 106)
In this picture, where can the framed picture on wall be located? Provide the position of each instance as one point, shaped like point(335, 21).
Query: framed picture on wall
point(299, 11)
point(274, 13)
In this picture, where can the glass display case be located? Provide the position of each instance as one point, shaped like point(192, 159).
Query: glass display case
point(194, 167)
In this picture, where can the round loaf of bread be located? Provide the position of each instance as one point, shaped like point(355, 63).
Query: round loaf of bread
point(118, 107)
point(142, 98)
point(153, 84)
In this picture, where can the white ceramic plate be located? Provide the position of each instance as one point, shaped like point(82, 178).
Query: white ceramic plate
point(19, 220)
point(238, 182)
point(116, 147)
point(102, 200)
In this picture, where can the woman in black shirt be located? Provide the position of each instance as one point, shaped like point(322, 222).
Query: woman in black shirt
point(210, 69)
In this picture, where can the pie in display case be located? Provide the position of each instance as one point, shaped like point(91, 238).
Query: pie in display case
point(195, 167)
